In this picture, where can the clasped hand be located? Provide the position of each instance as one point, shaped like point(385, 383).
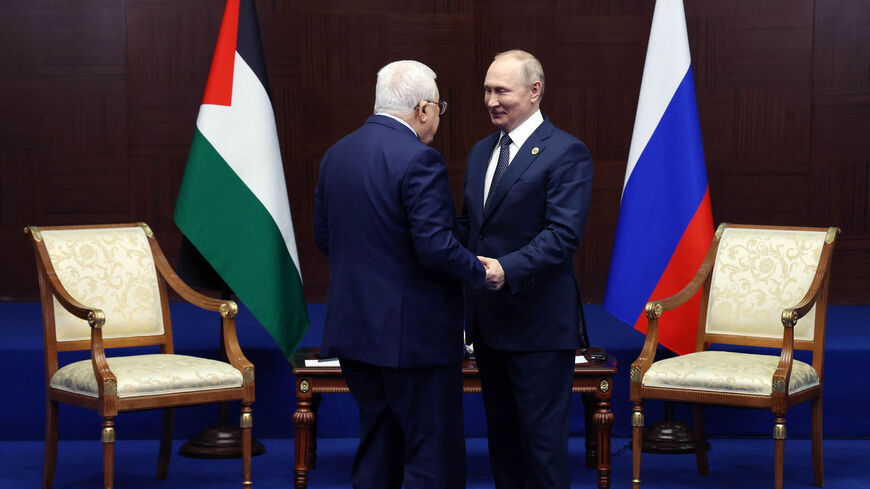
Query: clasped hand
point(494, 273)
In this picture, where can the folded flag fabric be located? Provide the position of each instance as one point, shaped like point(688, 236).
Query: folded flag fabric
point(233, 204)
point(665, 221)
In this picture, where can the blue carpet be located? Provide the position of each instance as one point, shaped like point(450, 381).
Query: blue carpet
point(737, 459)
point(746, 463)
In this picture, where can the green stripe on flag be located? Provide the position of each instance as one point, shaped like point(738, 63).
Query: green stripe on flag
point(236, 234)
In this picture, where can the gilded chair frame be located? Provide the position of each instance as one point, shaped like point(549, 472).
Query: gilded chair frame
point(779, 400)
point(107, 403)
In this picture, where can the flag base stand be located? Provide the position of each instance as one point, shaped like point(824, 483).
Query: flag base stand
point(218, 442)
point(670, 436)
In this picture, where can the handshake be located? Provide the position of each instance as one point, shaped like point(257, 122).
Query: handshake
point(494, 273)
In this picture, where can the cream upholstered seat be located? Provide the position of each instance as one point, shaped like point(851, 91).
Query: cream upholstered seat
point(761, 287)
point(148, 375)
point(727, 373)
point(103, 287)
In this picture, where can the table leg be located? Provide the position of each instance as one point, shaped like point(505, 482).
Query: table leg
point(603, 420)
point(312, 450)
point(591, 440)
point(304, 421)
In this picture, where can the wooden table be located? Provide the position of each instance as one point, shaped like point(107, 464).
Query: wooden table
point(593, 380)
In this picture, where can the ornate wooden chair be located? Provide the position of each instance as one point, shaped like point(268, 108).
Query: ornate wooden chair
point(103, 287)
point(762, 287)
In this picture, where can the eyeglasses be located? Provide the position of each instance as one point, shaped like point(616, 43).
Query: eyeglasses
point(442, 106)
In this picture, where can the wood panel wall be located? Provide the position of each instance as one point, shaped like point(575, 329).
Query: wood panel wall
point(98, 101)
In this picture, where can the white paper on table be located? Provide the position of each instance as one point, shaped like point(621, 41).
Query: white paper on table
point(580, 359)
point(322, 362)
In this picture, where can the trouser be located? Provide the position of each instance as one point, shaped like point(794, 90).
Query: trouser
point(411, 428)
point(527, 397)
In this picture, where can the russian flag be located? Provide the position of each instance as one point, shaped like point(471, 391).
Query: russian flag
point(665, 221)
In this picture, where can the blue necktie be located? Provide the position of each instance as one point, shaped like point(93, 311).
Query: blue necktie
point(504, 156)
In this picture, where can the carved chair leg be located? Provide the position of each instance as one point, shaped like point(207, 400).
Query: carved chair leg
point(165, 443)
point(701, 442)
point(246, 423)
point(50, 462)
point(108, 438)
point(818, 458)
point(636, 443)
point(778, 451)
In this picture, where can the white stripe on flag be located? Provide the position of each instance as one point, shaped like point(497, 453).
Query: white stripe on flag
point(244, 133)
point(667, 61)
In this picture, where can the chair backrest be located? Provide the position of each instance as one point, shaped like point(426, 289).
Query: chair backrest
point(111, 268)
point(757, 273)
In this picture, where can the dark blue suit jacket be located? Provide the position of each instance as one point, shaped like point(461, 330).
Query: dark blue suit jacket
point(533, 229)
point(384, 216)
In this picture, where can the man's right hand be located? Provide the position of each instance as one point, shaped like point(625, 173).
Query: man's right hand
point(494, 273)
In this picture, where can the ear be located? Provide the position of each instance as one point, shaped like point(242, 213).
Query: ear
point(420, 112)
point(536, 90)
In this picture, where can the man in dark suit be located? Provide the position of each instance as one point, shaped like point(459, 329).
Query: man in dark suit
point(525, 203)
point(384, 216)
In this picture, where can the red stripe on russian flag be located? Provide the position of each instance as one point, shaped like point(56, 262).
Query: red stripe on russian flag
point(678, 327)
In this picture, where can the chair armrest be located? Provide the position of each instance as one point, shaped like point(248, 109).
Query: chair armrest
point(791, 315)
point(680, 298)
point(106, 380)
point(648, 353)
point(227, 309)
point(654, 310)
point(185, 291)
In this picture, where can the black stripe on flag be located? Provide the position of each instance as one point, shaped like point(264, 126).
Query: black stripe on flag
point(248, 43)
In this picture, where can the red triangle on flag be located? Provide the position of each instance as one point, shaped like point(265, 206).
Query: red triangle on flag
point(219, 89)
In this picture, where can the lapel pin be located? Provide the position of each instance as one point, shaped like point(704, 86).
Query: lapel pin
point(535, 150)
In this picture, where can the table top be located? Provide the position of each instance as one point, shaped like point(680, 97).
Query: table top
point(469, 367)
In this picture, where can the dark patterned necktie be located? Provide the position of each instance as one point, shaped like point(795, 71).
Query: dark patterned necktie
point(504, 156)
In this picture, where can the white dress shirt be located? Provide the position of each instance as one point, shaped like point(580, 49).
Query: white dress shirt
point(518, 138)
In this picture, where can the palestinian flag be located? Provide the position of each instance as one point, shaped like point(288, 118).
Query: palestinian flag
point(233, 203)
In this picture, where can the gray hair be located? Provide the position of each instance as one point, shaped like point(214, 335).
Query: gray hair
point(531, 71)
point(402, 85)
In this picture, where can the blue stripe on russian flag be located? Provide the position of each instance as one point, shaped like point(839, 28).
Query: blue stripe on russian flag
point(659, 200)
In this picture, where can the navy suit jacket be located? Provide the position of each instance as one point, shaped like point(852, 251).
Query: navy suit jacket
point(384, 216)
point(533, 228)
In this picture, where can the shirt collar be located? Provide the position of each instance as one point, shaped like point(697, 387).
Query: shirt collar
point(526, 128)
point(391, 116)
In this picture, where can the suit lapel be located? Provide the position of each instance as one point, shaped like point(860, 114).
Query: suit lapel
point(521, 162)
